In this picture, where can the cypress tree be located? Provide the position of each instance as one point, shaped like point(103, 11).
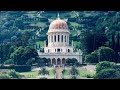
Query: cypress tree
point(117, 48)
point(113, 47)
point(39, 46)
point(1, 54)
point(113, 42)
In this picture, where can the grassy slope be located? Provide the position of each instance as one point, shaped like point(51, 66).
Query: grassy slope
point(82, 73)
point(43, 24)
point(34, 74)
point(31, 74)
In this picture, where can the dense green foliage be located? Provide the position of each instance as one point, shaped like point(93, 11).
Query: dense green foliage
point(104, 65)
point(4, 76)
point(24, 55)
point(89, 29)
point(10, 74)
point(71, 62)
point(107, 70)
point(17, 68)
point(102, 54)
point(108, 74)
point(43, 71)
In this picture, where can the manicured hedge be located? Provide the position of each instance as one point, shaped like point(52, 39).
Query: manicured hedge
point(17, 68)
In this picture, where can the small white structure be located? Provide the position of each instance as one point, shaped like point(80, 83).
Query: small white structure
point(58, 49)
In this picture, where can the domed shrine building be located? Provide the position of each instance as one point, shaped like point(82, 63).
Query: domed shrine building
point(58, 48)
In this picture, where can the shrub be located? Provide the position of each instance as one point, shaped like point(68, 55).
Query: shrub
point(43, 71)
point(9, 61)
point(74, 72)
point(4, 76)
point(14, 74)
point(104, 65)
point(102, 54)
point(108, 74)
point(92, 58)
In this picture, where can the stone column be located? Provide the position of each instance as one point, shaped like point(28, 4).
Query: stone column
point(44, 43)
point(64, 39)
point(56, 61)
point(51, 61)
point(50, 38)
point(72, 43)
point(60, 37)
point(61, 62)
point(56, 37)
point(53, 38)
point(68, 39)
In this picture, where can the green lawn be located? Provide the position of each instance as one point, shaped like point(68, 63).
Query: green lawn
point(83, 73)
point(34, 74)
point(51, 72)
point(31, 74)
point(67, 72)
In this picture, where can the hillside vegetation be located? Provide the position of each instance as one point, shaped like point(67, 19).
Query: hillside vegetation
point(89, 31)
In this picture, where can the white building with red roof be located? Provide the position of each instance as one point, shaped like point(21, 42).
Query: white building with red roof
point(58, 48)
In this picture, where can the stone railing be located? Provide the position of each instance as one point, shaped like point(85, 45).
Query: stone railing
point(73, 53)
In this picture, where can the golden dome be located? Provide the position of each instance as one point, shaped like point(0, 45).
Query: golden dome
point(58, 24)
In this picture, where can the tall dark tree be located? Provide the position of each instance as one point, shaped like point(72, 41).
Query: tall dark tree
point(1, 54)
point(117, 48)
point(22, 55)
point(113, 42)
point(39, 46)
point(25, 38)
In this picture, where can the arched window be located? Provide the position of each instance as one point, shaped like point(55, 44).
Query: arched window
point(55, 38)
point(62, 38)
point(58, 50)
point(68, 50)
point(58, 38)
point(51, 38)
point(65, 38)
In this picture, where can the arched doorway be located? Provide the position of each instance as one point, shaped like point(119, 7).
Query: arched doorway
point(59, 61)
point(63, 61)
point(53, 61)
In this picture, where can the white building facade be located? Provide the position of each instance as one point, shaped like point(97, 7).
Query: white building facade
point(58, 48)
